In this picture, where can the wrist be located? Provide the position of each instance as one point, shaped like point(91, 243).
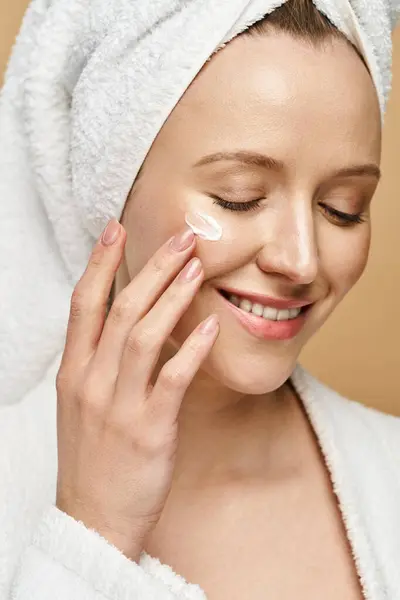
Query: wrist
point(132, 549)
point(122, 537)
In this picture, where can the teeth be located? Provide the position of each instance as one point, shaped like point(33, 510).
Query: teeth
point(235, 300)
point(257, 309)
point(267, 312)
point(270, 313)
point(245, 305)
point(283, 315)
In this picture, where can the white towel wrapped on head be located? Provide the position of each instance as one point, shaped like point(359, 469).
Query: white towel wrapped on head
point(88, 87)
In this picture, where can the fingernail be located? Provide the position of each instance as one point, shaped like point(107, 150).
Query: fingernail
point(183, 240)
point(191, 271)
point(209, 325)
point(111, 233)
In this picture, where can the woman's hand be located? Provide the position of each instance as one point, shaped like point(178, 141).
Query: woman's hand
point(117, 434)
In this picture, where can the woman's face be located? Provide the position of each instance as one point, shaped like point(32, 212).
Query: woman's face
point(304, 124)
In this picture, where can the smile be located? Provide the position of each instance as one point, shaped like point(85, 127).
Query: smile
point(267, 312)
point(265, 321)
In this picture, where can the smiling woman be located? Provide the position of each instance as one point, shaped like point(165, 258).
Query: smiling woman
point(179, 418)
point(295, 215)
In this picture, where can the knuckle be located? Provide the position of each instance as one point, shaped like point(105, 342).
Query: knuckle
point(78, 302)
point(160, 264)
point(172, 378)
point(63, 380)
point(121, 308)
point(150, 441)
point(92, 411)
point(86, 392)
point(96, 258)
point(83, 395)
point(140, 342)
point(118, 424)
point(154, 443)
point(90, 400)
point(132, 429)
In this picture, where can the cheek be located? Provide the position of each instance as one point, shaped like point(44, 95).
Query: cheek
point(344, 255)
point(155, 213)
point(234, 250)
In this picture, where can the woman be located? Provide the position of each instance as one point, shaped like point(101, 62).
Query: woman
point(203, 446)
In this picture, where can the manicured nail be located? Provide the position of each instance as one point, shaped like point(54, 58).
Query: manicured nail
point(209, 325)
point(183, 240)
point(111, 233)
point(191, 271)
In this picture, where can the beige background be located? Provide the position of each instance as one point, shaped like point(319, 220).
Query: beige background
point(357, 352)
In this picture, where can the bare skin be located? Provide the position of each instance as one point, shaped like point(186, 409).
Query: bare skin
point(246, 535)
point(206, 438)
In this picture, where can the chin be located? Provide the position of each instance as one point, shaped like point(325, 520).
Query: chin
point(240, 363)
point(249, 374)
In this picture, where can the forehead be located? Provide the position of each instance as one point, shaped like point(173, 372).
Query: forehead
point(275, 90)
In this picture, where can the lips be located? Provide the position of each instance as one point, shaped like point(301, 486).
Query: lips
point(279, 304)
point(261, 327)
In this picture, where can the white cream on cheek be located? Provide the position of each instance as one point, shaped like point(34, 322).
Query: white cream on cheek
point(203, 225)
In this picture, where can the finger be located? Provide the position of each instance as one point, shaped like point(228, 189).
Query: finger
point(89, 299)
point(178, 373)
point(145, 341)
point(133, 302)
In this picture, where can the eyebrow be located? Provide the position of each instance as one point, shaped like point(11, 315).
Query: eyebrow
point(272, 164)
point(248, 158)
point(359, 170)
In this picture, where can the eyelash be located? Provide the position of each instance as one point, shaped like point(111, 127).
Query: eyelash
point(238, 206)
point(346, 219)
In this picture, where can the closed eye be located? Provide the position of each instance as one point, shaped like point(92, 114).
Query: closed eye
point(237, 206)
point(342, 218)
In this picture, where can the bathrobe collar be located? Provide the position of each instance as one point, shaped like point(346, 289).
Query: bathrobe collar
point(363, 478)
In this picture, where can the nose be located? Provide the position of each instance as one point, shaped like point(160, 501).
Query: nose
point(289, 248)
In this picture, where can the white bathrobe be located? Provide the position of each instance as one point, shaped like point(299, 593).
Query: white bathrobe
point(47, 555)
point(88, 87)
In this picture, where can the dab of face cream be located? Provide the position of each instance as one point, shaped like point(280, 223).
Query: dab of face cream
point(204, 226)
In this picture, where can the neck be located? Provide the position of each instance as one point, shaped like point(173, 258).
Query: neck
point(225, 435)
